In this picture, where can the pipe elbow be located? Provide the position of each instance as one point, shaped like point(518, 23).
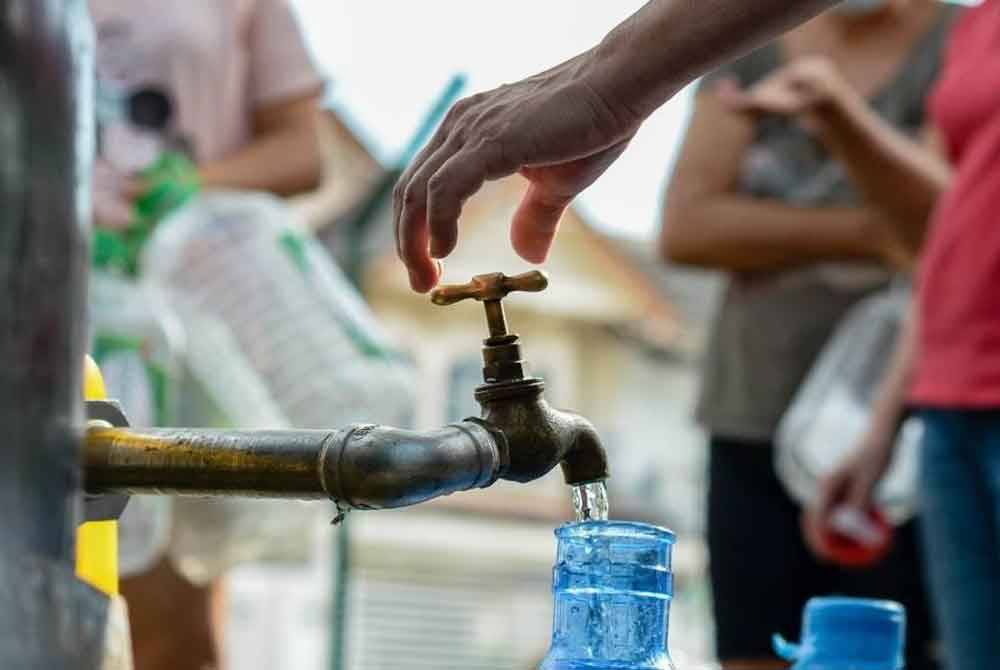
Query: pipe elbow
point(378, 467)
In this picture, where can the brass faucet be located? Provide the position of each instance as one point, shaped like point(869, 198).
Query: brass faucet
point(538, 436)
point(519, 437)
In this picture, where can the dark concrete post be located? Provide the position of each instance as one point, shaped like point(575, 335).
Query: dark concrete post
point(47, 618)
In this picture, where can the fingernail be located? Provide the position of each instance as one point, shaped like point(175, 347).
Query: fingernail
point(418, 284)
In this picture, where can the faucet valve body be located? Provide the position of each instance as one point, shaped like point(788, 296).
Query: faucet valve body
point(538, 436)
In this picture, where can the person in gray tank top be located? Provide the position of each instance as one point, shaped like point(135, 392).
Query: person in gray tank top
point(761, 199)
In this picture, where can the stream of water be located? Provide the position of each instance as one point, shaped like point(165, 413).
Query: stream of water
point(590, 501)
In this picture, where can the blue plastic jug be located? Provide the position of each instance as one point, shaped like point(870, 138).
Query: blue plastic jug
point(848, 634)
point(612, 586)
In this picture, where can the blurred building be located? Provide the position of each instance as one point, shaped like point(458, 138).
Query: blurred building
point(464, 582)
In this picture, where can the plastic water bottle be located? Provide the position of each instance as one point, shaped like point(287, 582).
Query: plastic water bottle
point(612, 586)
point(848, 634)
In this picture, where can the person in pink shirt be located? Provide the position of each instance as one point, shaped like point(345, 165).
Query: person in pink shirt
point(230, 81)
point(241, 92)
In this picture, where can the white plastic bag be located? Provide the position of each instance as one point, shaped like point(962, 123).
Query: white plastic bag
point(138, 343)
point(297, 320)
point(277, 337)
point(832, 408)
point(211, 535)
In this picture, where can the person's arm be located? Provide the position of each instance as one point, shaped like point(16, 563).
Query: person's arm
point(902, 176)
point(284, 90)
point(707, 222)
point(283, 157)
point(562, 129)
point(853, 484)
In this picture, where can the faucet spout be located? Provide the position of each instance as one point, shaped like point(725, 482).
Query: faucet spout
point(540, 437)
point(585, 459)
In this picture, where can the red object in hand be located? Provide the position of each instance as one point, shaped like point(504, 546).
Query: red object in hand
point(856, 539)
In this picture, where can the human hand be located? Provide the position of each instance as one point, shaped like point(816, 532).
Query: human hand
point(851, 487)
point(797, 89)
point(560, 129)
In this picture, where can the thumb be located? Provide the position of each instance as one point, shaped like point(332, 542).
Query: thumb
point(536, 223)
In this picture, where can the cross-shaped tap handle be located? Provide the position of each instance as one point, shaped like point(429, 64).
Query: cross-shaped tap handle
point(490, 289)
point(493, 286)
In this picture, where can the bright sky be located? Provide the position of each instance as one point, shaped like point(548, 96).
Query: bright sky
point(389, 60)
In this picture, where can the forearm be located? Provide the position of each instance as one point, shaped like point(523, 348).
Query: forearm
point(741, 234)
point(894, 172)
point(283, 162)
point(668, 43)
point(890, 403)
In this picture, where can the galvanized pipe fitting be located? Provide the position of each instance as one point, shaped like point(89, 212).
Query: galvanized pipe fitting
point(364, 467)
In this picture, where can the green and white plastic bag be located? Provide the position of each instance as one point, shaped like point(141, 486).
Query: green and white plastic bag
point(276, 337)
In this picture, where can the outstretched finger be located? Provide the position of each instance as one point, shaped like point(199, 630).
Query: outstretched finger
point(441, 136)
point(447, 190)
point(414, 248)
point(536, 223)
point(422, 186)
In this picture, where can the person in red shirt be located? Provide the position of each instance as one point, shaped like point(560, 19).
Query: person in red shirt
point(947, 363)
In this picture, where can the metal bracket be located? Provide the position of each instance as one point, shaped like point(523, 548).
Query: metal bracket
point(105, 507)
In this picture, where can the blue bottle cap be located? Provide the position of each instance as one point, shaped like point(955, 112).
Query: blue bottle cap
point(848, 633)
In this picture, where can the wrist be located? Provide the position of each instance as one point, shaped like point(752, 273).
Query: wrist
point(620, 70)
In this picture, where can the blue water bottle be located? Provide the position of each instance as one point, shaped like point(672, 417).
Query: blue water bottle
point(612, 586)
point(848, 634)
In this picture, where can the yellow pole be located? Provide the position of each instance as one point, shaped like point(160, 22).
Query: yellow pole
point(97, 541)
